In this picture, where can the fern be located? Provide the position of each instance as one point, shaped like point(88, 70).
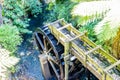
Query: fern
point(108, 28)
point(60, 9)
point(103, 9)
point(6, 62)
point(89, 11)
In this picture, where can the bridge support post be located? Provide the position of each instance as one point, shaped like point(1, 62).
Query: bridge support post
point(66, 59)
point(45, 67)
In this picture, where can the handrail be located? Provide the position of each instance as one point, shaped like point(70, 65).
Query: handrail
point(59, 34)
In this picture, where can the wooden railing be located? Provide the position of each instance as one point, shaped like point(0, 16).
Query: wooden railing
point(86, 56)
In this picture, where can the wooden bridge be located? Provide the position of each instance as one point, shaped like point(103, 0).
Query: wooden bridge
point(62, 44)
point(93, 57)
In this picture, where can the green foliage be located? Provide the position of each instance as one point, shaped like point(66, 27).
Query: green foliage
point(9, 37)
point(60, 10)
point(107, 33)
point(32, 7)
point(14, 14)
point(89, 27)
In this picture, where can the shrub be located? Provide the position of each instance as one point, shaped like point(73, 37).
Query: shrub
point(14, 14)
point(32, 7)
point(9, 37)
point(60, 10)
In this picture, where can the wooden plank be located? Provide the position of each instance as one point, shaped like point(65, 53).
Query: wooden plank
point(56, 21)
point(61, 28)
point(77, 36)
point(111, 66)
point(54, 69)
point(66, 53)
point(45, 67)
point(92, 50)
point(88, 66)
point(50, 58)
point(40, 42)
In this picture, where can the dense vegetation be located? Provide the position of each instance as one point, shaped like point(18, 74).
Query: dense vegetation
point(15, 16)
point(107, 30)
point(16, 21)
point(97, 20)
point(10, 37)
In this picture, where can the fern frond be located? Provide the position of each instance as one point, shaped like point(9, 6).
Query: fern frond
point(90, 8)
point(6, 62)
point(89, 11)
point(112, 19)
point(108, 9)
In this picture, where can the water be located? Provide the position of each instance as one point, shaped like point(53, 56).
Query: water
point(29, 66)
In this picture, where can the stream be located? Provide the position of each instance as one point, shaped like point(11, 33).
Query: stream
point(29, 66)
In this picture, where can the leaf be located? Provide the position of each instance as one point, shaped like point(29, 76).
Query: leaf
point(89, 11)
point(6, 62)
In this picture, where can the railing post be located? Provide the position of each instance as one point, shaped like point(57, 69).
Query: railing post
point(45, 67)
point(66, 59)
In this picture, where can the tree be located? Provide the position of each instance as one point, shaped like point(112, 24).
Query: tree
point(108, 29)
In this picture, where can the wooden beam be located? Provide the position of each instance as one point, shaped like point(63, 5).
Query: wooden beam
point(92, 50)
point(54, 69)
point(45, 66)
point(88, 52)
point(113, 65)
point(78, 36)
point(66, 59)
point(56, 21)
point(40, 42)
point(61, 28)
point(50, 58)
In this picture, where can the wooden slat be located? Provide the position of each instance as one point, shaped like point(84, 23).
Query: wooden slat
point(77, 36)
point(54, 69)
point(113, 65)
point(45, 66)
point(40, 42)
point(61, 28)
point(94, 49)
point(56, 21)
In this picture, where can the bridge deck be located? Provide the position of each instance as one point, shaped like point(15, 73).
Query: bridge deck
point(101, 64)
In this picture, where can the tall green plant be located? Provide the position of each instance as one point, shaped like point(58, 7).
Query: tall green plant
point(14, 14)
point(33, 7)
point(108, 28)
point(10, 37)
point(60, 10)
